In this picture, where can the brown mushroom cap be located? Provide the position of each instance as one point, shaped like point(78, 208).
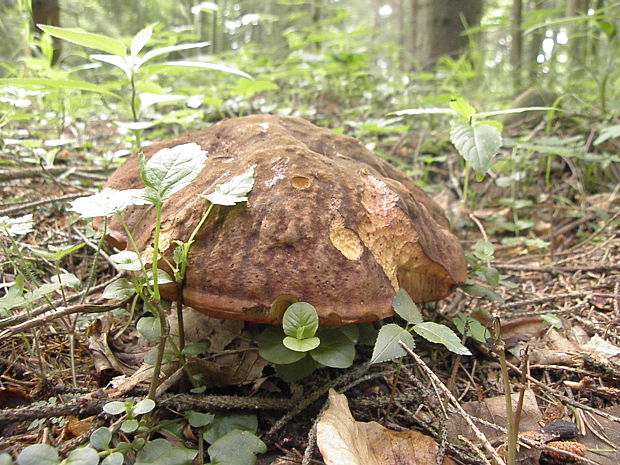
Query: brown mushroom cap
point(327, 222)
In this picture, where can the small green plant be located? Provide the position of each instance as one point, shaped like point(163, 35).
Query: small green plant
point(300, 346)
point(131, 411)
point(387, 346)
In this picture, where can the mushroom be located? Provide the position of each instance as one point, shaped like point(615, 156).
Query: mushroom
point(327, 222)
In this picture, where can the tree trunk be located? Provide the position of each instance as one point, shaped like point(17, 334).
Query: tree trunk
point(48, 12)
point(439, 27)
point(516, 49)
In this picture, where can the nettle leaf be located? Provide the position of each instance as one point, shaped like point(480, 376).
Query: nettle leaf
point(441, 334)
point(406, 308)
point(225, 423)
point(107, 202)
point(100, 438)
point(149, 328)
point(127, 260)
point(301, 345)
point(237, 447)
point(474, 328)
point(337, 350)
point(271, 348)
point(387, 346)
point(83, 456)
point(171, 169)
point(16, 226)
point(234, 191)
point(477, 144)
point(160, 451)
point(300, 320)
point(38, 454)
point(87, 39)
point(118, 290)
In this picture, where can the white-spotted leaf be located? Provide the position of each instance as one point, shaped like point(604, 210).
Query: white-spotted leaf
point(234, 191)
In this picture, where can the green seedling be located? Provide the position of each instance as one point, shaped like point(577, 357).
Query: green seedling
point(131, 411)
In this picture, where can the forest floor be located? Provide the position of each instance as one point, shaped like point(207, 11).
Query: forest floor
point(572, 371)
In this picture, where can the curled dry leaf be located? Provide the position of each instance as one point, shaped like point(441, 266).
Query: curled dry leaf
point(342, 440)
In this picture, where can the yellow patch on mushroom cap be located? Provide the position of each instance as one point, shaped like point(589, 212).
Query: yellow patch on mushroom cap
point(344, 239)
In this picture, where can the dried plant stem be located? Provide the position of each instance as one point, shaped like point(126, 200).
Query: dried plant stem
point(479, 434)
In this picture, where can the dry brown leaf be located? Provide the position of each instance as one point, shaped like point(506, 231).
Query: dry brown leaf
point(342, 440)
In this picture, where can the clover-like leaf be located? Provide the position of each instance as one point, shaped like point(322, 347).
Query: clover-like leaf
point(234, 191)
point(441, 334)
point(388, 346)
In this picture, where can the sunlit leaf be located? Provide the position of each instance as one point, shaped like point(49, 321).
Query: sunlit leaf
point(301, 345)
point(107, 202)
point(234, 191)
point(140, 40)
point(172, 48)
point(441, 334)
point(196, 65)
point(87, 39)
point(44, 83)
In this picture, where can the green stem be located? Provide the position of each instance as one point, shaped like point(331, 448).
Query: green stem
point(466, 181)
point(191, 239)
point(156, 295)
point(163, 337)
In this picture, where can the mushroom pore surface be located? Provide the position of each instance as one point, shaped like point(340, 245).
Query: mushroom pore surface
point(327, 222)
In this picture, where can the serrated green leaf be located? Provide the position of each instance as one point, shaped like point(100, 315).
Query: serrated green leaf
point(441, 334)
point(87, 39)
point(477, 144)
point(234, 191)
point(271, 348)
point(171, 169)
point(405, 307)
point(301, 345)
point(237, 447)
point(300, 320)
point(474, 328)
point(387, 346)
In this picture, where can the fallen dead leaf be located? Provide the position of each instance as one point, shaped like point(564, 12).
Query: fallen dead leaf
point(342, 440)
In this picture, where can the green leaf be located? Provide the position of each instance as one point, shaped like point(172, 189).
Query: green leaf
point(149, 328)
point(336, 349)
point(115, 458)
point(87, 39)
point(150, 357)
point(115, 408)
point(477, 144)
point(552, 319)
point(475, 289)
point(16, 226)
point(172, 48)
point(107, 202)
point(127, 65)
point(484, 250)
point(198, 419)
point(387, 346)
point(197, 65)
point(58, 253)
point(490, 275)
point(44, 83)
point(140, 40)
point(462, 108)
point(247, 87)
point(236, 448)
point(100, 438)
point(162, 277)
point(5, 459)
point(171, 169)
point(197, 348)
point(160, 451)
point(406, 308)
point(83, 456)
point(234, 191)
point(300, 320)
point(271, 348)
point(144, 406)
point(130, 425)
point(118, 290)
point(474, 328)
point(66, 280)
point(127, 260)
point(38, 454)
point(425, 111)
point(293, 372)
point(301, 345)
point(441, 334)
point(227, 422)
